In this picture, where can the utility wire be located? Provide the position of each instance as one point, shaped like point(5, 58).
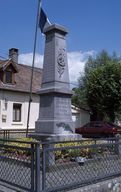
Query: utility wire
point(33, 61)
point(3, 57)
point(4, 52)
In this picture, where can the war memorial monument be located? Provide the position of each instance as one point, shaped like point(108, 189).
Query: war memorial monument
point(55, 118)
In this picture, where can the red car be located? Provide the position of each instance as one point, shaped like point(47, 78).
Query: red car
point(98, 129)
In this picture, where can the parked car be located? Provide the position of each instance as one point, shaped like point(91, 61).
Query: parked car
point(98, 129)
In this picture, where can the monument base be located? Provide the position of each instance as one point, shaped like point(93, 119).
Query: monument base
point(54, 126)
point(56, 137)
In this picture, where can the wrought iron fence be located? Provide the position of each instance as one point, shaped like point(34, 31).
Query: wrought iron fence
point(52, 166)
point(14, 133)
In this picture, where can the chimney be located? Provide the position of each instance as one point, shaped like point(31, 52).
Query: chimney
point(13, 54)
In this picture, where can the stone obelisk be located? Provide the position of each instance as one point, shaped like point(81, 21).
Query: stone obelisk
point(55, 118)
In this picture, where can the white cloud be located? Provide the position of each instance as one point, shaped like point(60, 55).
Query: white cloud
point(27, 59)
point(76, 62)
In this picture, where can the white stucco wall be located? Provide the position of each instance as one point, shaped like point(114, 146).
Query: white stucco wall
point(84, 117)
point(79, 117)
point(22, 98)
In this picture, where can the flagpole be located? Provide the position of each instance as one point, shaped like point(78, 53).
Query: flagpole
point(33, 62)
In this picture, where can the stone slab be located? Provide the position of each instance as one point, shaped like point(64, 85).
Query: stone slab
point(56, 137)
point(54, 90)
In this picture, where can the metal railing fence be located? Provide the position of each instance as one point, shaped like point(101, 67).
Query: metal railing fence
point(74, 164)
point(14, 133)
point(19, 164)
point(57, 166)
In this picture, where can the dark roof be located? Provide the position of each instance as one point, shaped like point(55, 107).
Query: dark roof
point(4, 64)
point(23, 79)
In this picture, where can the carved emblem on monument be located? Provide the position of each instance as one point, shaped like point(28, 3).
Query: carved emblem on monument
point(61, 61)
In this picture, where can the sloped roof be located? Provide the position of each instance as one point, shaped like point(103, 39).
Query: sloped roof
point(23, 78)
point(76, 109)
point(4, 64)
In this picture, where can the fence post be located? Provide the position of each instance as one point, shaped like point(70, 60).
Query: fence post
point(4, 134)
point(32, 167)
point(118, 145)
point(8, 134)
point(43, 167)
point(37, 167)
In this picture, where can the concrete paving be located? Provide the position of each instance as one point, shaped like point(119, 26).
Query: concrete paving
point(110, 185)
point(5, 189)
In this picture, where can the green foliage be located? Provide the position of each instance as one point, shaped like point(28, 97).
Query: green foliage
point(24, 142)
point(100, 87)
point(104, 89)
point(73, 152)
point(78, 99)
point(18, 151)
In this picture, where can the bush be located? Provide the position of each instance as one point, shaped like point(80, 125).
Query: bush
point(72, 153)
point(9, 151)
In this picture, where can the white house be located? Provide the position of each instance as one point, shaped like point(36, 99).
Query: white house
point(80, 116)
point(14, 95)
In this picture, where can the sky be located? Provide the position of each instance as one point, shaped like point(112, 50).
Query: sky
point(92, 25)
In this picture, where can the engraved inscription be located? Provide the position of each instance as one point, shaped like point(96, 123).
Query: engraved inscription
point(63, 107)
point(46, 107)
point(61, 61)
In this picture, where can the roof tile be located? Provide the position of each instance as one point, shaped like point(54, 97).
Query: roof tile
point(23, 79)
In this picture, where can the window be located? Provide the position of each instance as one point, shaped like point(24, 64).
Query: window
point(8, 77)
point(17, 112)
point(98, 124)
point(4, 118)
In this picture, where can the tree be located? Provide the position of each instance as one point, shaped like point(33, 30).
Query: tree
point(103, 90)
point(100, 87)
point(78, 99)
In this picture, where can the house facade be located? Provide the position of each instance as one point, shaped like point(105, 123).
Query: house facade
point(14, 95)
point(80, 116)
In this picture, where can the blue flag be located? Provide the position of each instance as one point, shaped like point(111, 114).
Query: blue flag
point(43, 21)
